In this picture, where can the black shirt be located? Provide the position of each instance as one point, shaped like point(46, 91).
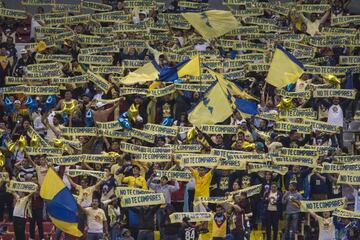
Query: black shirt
point(188, 233)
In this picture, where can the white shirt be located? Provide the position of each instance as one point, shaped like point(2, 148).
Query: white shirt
point(21, 207)
point(336, 116)
point(326, 228)
point(95, 220)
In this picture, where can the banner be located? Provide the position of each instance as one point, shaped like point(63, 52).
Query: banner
point(152, 157)
point(178, 217)
point(311, 69)
point(248, 12)
point(192, 87)
point(95, 59)
point(37, 2)
point(343, 213)
point(248, 157)
point(161, 130)
point(142, 135)
point(81, 79)
point(349, 179)
point(257, 67)
point(249, 191)
point(129, 191)
point(132, 64)
point(228, 164)
point(218, 129)
point(98, 158)
point(330, 93)
point(68, 20)
point(63, 58)
point(346, 19)
point(306, 113)
point(45, 74)
point(256, 167)
point(107, 70)
point(102, 31)
point(80, 172)
point(288, 126)
point(42, 67)
point(351, 32)
point(66, 8)
point(132, 148)
point(111, 17)
point(112, 125)
point(160, 92)
point(349, 60)
point(144, 5)
point(12, 13)
point(213, 200)
point(193, 5)
point(41, 17)
point(323, 126)
point(65, 160)
point(15, 186)
point(302, 94)
point(340, 168)
point(347, 158)
point(187, 148)
point(271, 116)
point(323, 205)
point(295, 160)
point(94, 40)
point(313, 8)
point(182, 176)
point(79, 131)
point(299, 152)
point(95, 6)
point(31, 90)
point(143, 200)
point(199, 161)
point(99, 81)
point(224, 153)
point(44, 150)
point(332, 41)
point(125, 135)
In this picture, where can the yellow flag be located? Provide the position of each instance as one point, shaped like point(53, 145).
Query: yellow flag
point(146, 73)
point(213, 108)
point(284, 68)
point(212, 24)
point(230, 87)
point(191, 68)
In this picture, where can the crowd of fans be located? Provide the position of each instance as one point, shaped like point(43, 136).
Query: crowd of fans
point(101, 214)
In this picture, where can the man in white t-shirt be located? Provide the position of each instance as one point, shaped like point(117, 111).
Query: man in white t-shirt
point(326, 225)
point(96, 221)
point(335, 113)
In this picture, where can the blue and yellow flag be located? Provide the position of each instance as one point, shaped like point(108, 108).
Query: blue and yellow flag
point(230, 88)
point(246, 108)
point(60, 204)
point(143, 74)
point(213, 107)
point(189, 67)
point(284, 68)
point(212, 24)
